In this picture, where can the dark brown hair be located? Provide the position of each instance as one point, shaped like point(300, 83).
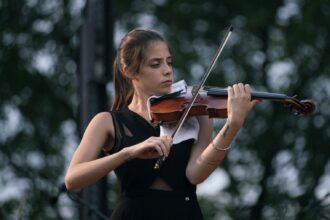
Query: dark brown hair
point(131, 53)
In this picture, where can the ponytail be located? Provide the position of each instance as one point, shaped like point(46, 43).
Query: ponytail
point(123, 88)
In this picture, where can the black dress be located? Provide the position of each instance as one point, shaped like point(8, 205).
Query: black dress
point(137, 200)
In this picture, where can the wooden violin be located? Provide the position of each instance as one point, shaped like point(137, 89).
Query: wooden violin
point(212, 101)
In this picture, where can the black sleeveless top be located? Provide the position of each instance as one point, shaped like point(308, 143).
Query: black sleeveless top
point(138, 174)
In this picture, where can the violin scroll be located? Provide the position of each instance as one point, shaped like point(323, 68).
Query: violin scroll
point(309, 106)
point(302, 107)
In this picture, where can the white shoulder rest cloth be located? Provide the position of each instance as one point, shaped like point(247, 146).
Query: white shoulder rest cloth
point(190, 127)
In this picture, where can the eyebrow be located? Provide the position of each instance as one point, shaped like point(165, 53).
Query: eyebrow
point(158, 58)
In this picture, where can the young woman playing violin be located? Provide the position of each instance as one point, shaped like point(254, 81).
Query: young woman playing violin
point(143, 68)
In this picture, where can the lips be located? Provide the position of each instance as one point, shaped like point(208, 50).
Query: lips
point(167, 82)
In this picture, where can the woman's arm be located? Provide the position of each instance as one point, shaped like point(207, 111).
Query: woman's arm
point(205, 158)
point(86, 168)
point(206, 154)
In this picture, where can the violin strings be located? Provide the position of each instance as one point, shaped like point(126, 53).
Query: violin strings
point(195, 93)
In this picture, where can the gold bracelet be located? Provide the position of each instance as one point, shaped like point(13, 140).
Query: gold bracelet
point(220, 149)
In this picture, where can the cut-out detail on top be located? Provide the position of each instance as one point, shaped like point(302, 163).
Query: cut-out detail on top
point(160, 184)
point(127, 131)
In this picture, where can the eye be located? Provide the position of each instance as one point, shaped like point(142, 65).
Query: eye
point(154, 65)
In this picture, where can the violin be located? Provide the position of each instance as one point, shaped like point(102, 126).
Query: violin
point(212, 101)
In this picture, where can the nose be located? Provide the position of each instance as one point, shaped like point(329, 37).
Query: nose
point(167, 69)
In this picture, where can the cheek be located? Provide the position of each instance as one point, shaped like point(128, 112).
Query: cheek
point(151, 76)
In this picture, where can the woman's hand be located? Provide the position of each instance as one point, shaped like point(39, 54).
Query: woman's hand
point(151, 148)
point(239, 103)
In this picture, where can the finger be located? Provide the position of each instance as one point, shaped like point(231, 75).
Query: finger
point(168, 143)
point(238, 89)
point(169, 139)
point(241, 88)
point(162, 145)
point(235, 90)
point(247, 90)
point(230, 91)
point(158, 149)
point(155, 144)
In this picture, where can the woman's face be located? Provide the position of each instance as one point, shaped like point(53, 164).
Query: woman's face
point(155, 75)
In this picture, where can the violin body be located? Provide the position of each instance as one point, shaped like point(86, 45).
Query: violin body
point(212, 101)
point(171, 109)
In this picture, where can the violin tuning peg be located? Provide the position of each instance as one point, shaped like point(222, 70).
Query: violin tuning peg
point(194, 90)
point(294, 110)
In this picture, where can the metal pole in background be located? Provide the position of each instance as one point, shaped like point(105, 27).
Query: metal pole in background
point(95, 72)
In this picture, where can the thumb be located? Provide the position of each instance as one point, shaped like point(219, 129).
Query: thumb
point(255, 102)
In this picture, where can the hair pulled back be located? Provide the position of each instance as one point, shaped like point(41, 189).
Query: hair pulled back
point(131, 53)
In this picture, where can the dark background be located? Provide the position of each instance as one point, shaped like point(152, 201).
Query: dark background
point(278, 167)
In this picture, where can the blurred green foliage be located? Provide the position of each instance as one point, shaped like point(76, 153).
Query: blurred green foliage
point(279, 165)
point(38, 63)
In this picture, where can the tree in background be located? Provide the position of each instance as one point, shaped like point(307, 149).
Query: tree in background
point(279, 166)
point(38, 63)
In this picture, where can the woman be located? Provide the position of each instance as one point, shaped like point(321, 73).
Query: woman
point(142, 68)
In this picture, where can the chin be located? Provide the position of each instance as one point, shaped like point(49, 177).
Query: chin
point(164, 91)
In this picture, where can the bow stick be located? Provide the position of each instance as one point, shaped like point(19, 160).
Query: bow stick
point(195, 92)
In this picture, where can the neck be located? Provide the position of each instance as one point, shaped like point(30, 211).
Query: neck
point(139, 103)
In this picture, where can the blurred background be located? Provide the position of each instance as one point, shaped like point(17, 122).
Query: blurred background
point(55, 74)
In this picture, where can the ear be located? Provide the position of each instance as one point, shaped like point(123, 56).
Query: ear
point(128, 74)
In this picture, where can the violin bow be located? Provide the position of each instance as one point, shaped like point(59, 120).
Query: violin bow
point(195, 92)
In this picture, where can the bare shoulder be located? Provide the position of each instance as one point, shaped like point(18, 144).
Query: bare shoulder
point(104, 116)
point(103, 120)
